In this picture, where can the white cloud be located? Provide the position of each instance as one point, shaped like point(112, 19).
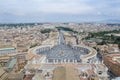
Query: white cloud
point(68, 8)
point(43, 8)
point(47, 6)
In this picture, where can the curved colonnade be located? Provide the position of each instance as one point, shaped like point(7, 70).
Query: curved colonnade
point(87, 57)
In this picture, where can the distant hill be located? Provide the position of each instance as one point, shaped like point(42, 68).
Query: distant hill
point(110, 21)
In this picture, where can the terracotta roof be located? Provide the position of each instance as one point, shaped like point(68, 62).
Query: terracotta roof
point(37, 57)
point(29, 56)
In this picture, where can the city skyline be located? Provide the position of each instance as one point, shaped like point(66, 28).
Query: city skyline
point(19, 11)
point(59, 40)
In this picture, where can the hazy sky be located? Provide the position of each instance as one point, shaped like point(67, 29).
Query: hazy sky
point(58, 10)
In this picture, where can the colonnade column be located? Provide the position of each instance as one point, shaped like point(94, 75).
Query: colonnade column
point(68, 60)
